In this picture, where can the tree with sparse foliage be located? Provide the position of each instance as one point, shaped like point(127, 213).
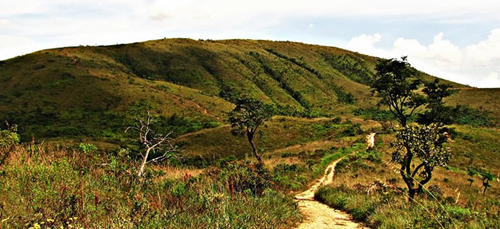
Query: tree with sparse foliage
point(152, 141)
point(471, 172)
point(248, 115)
point(419, 149)
point(487, 176)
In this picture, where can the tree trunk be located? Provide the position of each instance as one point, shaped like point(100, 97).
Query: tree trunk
point(411, 193)
point(143, 164)
point(254, 149)
point(486, 185)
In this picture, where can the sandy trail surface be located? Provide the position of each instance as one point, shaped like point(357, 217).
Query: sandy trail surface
point(318, 215)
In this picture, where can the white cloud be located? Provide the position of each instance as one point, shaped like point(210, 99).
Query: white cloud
point(4, 23)
point(15, 45)
point(366, 44)
point(486, 51)
point(476, 65)
point(442, 51)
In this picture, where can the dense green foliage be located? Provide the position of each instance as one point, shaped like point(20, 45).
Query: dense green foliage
point(437, 112)
point(396, 83)
point(418, 148)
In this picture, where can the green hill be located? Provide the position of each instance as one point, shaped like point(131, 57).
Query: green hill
point(75, 95)
point(96, 91)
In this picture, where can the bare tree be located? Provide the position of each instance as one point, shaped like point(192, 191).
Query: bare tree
point(153, 142)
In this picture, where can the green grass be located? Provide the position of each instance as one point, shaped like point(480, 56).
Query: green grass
point(92, 92)
point(54, 186)
point(389, 210)
point(208, 145)
point(476, 147)
point(486, 99)
point(449, 201)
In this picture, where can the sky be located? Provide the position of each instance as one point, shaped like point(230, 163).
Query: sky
point(456, 40)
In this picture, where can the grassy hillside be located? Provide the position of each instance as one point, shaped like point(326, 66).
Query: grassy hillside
point(91, 94)
point(96, 91)
point(369, 187)
point(484, 98)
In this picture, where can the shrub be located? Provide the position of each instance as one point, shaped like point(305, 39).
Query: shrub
point(244, 176)
point(287, 154)
point(459, 213)
point(352, 130)
point(465, 115)
point(336, 120)
point(87, 148)
point(9, 136)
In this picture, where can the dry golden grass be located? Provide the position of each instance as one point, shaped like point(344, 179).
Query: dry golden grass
point(452, 182)
point(174, 172)
point(272, 162)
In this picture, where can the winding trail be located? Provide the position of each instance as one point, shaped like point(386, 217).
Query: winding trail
point(318, 215)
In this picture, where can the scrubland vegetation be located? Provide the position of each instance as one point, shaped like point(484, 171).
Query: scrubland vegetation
point(53, 186)
point(83, 186)
point(368, 186)
point(70, 163)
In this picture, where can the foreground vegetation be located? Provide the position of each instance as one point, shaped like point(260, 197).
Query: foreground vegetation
point(199, 175)
point(368, 186)
point(83, 186)
point(53, 186)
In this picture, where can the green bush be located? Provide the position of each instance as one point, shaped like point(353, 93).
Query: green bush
point(244, 176)
point(9, 136)
point(87, 148)
point(458, 213)
point(374, 113)
point(352, 130)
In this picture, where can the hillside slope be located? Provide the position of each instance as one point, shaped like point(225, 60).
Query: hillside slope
point(95, 91)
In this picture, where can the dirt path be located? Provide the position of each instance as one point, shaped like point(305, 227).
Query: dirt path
point(318, 215)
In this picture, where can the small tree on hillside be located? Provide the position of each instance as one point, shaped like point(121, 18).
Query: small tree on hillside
point(471, 172)
point(248, 115)
point(153, 142)
point(419, 149)
point(437, 112)
point(487, 176)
